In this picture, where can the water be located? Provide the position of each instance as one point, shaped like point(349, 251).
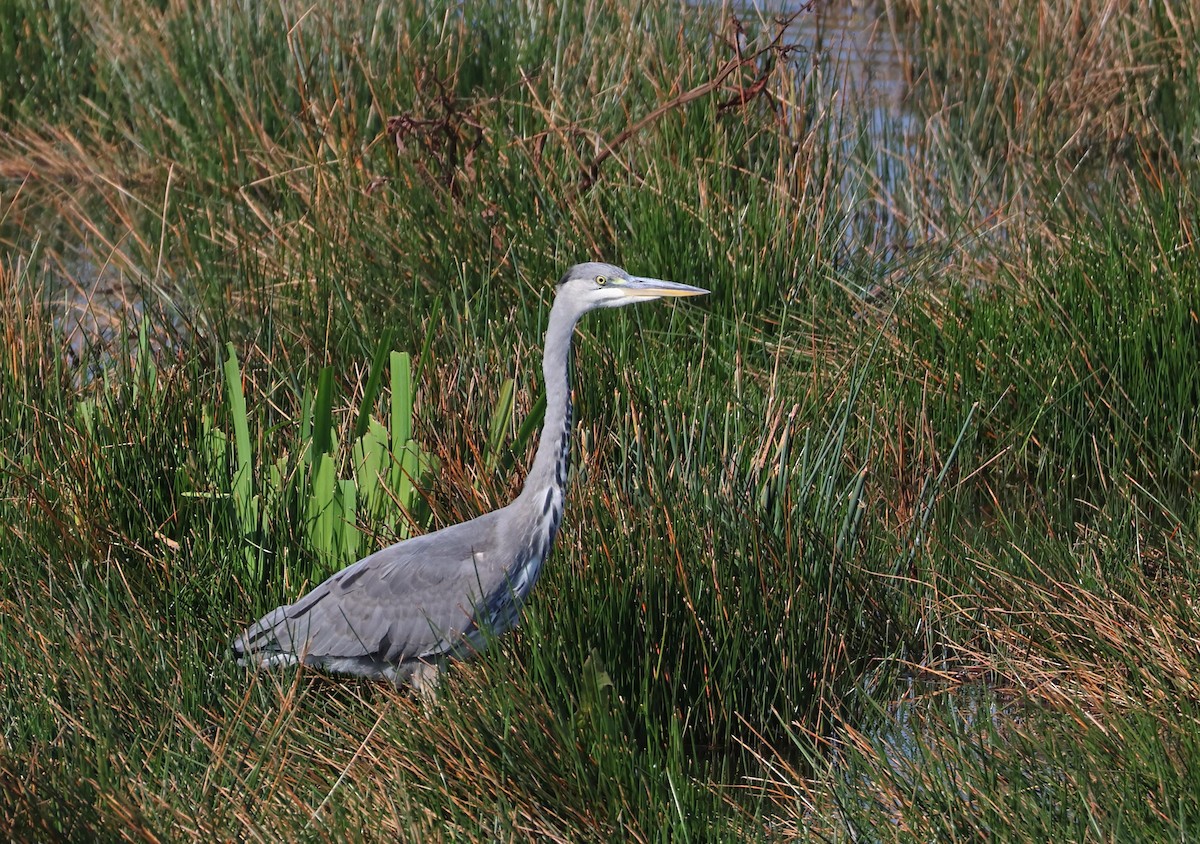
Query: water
point(99, 304)
point(98, 294)
point(855, 40)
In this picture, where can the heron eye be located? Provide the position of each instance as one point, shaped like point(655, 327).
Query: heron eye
point(601, 280)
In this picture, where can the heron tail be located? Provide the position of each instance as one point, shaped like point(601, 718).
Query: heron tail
point(260, 644)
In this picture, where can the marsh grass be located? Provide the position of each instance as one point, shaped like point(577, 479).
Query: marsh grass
point(935, 429)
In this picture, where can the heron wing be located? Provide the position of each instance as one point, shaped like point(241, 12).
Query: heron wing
point(410, 600)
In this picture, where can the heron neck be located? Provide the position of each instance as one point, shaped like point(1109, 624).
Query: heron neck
point(549, 469)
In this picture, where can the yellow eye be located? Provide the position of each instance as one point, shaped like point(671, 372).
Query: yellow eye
point(601, 280)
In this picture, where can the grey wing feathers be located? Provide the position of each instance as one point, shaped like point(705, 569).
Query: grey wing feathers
point(414, 599)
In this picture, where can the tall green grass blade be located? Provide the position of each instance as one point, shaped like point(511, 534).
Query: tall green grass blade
point(237, 410)
point(371, 460)
point(275, 494)
point(402, 400)
point(214, 444)
point(374, 382)
point(245, 501)
point(323, 516)
point(529, 426)
point(85, 412)
point(427, 346)
point(307, 402)
point(498, 428)
point(403, 467)
point(347, 513)
point(322, 418)
point(409, 469)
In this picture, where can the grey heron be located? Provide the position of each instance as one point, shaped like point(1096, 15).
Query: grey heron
point(403, 611)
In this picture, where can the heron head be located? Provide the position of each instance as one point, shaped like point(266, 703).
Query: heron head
point(597, 285)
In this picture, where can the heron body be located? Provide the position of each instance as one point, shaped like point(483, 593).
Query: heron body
point(404, 610)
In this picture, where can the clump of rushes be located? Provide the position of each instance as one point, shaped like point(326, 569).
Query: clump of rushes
point(383, 489)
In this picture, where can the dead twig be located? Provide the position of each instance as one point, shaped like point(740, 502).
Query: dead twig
point(773, 52)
